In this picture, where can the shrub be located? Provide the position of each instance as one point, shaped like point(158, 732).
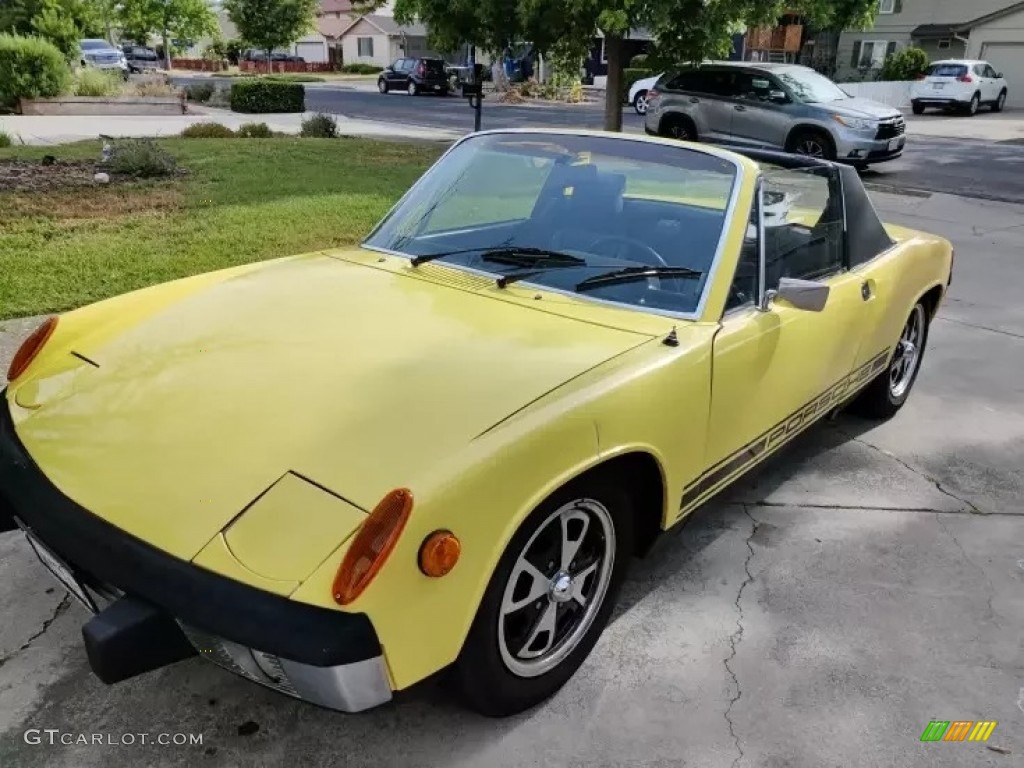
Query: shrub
point(96, 82)
point(255, 131)
point(207, 131)
point(906, 64)
point(361, 69)
point(294, 78)
point(142, 158)
point(217, 51)
point(5, 139)
point(262, 96)
point(630, 76)
point(150, 87)
point(30, 68)
point(221, 98)
point(200, 92)
point(319, 126)
point(639, 61)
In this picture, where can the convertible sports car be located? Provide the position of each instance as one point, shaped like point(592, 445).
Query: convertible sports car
point(339, 473)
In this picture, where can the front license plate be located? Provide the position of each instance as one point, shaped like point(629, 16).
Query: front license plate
point(62, 572)
point(894, 144)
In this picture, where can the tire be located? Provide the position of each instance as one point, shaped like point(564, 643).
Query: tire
point(812, 144)
point(382, 85)
point(443, 92)
point(413, 89)
point(917, 108)
point(972, 106)
point(1000, 102)
point(677, 127)
point(502, 668)
point(640, 103)
point(887, 393)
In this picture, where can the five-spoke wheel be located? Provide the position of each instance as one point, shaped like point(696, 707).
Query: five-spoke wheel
point(890, 389)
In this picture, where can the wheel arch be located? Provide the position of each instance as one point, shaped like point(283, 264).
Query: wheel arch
point(675, 115)
point(931, 299)
point(808, 128)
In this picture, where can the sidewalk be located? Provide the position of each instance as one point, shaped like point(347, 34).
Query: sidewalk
point(1004, 126)
point(45, 130)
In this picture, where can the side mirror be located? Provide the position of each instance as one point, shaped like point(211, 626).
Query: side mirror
point(778, 97)
point(999, 75)
point(802, 294)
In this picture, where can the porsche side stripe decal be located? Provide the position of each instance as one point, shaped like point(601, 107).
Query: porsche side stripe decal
point(782, 432)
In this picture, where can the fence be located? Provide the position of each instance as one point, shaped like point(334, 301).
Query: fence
point(895, 94)
point(199, 65)
point(286, 66)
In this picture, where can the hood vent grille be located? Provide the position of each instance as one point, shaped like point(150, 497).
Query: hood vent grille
point(456, 278)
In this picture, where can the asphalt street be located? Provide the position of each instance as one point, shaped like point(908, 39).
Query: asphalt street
point(866, 581)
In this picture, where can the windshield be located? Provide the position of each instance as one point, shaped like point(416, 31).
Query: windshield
point(94, 45)
point(811, 87)
point(946, 70)
point(611, 202)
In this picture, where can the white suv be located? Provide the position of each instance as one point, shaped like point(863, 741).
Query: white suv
point(963, 84)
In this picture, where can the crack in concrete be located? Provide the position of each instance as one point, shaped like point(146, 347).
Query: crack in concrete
point(735, 637)
point(967, 559)
point(61, 607)
point(872, 508)
point(971, 506)
point(988, 328)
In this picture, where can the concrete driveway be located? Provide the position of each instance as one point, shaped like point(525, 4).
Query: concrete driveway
point(865, 582)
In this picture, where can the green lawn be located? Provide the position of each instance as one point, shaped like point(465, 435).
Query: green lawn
point(242, 200)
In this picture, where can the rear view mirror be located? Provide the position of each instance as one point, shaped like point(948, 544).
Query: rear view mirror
point(802, 294)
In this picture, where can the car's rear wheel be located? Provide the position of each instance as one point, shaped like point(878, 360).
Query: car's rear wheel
point(413, 89)
point(917, 107)
point(678, 127)
point(548, 600)
point(999, 103)
point(813, 144)
point(973, 104)
point(884, 396)
point(640, 103)
point(382, 85)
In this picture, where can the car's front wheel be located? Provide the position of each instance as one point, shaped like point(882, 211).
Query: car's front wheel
point(884, 396)
point(548, 600)
point(640, 103)
point(813, 144)
point(999, 103)
point(382, 85)
point(413, 89)
point(917, 107)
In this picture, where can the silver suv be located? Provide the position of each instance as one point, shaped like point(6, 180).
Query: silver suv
point(773, 106)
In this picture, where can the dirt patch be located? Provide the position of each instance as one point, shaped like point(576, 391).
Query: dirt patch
point(44, 176)
point(103, 202)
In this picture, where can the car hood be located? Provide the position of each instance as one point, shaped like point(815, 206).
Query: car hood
point(354, 376)
point(858, 107)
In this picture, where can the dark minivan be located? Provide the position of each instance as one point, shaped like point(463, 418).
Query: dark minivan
point(415, 76)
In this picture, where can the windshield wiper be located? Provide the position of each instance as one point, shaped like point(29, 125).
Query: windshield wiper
point(629, 274)
point(519, 256)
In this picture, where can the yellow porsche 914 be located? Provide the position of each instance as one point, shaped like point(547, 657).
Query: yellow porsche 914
point(339, 473)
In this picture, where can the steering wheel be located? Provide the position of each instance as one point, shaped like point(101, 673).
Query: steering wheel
point(649, 255)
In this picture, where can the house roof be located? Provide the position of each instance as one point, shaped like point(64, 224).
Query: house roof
point(388, 26)
point(335, 6)
point(329, 26)
point(994, 16)
point(926, 31)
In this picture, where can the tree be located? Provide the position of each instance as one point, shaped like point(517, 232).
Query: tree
point(272, 24)
point(167, 18)
point(61, 22)
point(685, 30)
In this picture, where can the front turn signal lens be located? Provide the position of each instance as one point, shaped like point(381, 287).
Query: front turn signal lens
point(32, 346)
point(372, 545)
point(439, 553)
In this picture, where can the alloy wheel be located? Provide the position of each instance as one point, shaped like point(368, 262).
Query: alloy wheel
point(556, 588)
point(811, 147)
point(412, 89)
point(1001, 102)
point(907, 355)
point(640, 104)
point(973, 107)
point(382, 86)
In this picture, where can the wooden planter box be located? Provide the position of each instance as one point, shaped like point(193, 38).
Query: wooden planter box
point(199, 65)
point(285, 66)
point(102, 105)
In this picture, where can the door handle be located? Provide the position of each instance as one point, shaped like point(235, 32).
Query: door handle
point(865, 290)
point(739, 108)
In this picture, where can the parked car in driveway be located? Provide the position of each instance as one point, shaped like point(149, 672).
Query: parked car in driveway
point(638, 93)
point(415, 76)
point(773, 106)
point(99, 54)
point(961, 84)
point(140, 58)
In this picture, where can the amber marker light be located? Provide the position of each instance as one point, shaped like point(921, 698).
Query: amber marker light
point(372, 545)
point(33, 345)
point(439, 553)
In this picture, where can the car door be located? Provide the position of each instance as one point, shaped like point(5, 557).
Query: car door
point(997, 83)
point(759, 111)
point(778, 368)
point(396, 77)
point(708, 90)
point(983, 83)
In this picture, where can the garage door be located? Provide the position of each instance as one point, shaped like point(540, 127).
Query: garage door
point(312, 52)
point(1008, 58)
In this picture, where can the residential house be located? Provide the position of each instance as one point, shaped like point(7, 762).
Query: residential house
point(378, 39)
point(986, 29)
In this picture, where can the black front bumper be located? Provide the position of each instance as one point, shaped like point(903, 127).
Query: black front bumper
point(104, 555)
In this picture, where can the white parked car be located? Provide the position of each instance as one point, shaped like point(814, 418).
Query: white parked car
point(638, 93)
point(963, 84)
point(99, 54)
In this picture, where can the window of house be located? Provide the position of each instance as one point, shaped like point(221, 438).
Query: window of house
point(364, 46)
point(943, 44)
point(870, 54)
point(886, 6)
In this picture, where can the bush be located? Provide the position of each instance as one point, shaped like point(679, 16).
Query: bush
point(294, 78)
point(96, 82)
point(30, 68)
point(5, 140)
point(216, 51)
point(263, 96)
point(904, 65)
point(639, 61)
point(630, 76)
point(199, 92)
point(361, 69)
point(207, 131)
point(150, 87)
point(319, 127)
point(233, 50)
point(141, 158)
point(254, 131)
